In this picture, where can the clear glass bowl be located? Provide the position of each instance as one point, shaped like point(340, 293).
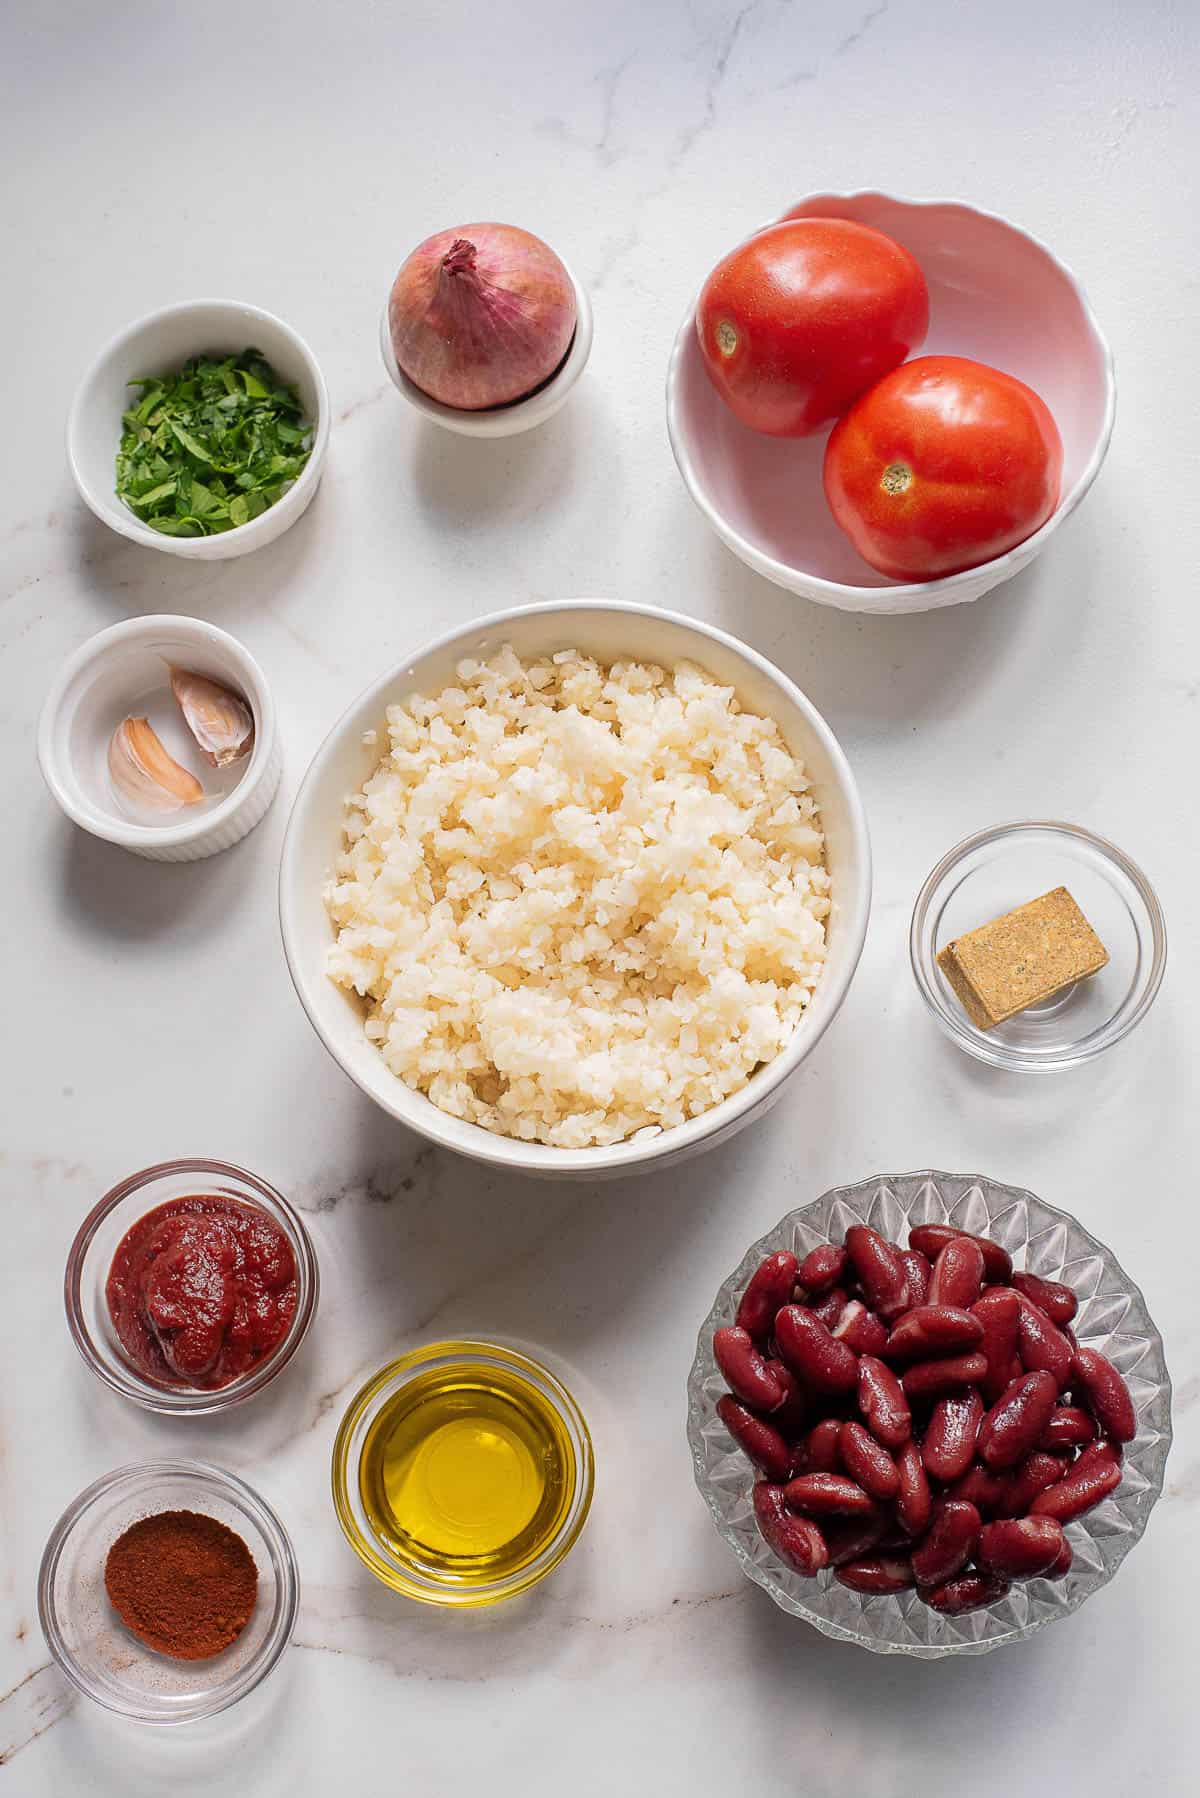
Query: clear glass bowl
point(1112, 1317)
point(89, 1641)
point(404, 1575)
point(91, 1256)
point(996, 870)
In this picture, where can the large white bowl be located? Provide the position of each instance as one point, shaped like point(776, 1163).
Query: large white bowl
point(996, 295)
point(607, 630)
point(157, 344)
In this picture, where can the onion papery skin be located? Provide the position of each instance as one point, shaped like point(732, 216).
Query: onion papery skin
point(481, 316)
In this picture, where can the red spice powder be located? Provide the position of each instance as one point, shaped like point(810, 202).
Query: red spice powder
point(183, 1583)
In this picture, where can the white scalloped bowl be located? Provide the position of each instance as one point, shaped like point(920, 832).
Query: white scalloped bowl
point(1112, 1317)
point(996, 295)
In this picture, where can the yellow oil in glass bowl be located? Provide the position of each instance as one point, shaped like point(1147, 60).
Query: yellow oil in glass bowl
point(462, 1473)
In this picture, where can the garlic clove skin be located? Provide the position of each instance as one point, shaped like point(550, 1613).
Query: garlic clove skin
point(144, 775)
point(219, 719)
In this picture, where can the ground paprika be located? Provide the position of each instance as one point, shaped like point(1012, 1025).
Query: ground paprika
point(184, 1583)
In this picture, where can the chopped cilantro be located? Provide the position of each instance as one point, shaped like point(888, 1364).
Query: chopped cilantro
point(211, 447)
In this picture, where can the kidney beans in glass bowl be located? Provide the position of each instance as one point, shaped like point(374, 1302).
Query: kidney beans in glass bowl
point(842, 1464)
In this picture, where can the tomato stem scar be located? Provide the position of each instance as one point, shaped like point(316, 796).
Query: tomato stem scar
point(896, 478)
point(727, 337)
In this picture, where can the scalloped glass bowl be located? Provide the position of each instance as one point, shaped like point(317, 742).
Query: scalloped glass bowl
point(1112, 1317)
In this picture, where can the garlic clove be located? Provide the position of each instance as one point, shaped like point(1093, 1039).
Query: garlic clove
point(142, 772)
point(219, 719)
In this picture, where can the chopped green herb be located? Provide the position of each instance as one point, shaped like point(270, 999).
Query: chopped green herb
point(211, 447)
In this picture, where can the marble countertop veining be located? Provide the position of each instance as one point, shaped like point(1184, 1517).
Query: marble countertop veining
point(291, 154)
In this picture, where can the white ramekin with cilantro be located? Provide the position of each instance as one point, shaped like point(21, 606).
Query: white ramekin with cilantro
point(201, 430)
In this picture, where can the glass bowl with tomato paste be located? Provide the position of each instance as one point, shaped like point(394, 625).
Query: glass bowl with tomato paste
point(190, 1286)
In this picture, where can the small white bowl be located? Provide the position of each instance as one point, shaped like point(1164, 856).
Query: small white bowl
point(996, 295)
point(157, 344)
point(122, 671)
point(607, 630)
point(521, 415)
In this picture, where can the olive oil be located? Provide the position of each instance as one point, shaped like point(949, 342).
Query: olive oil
point(467, 1473)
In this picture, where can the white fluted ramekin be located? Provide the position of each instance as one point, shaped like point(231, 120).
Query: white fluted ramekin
point(107, 677)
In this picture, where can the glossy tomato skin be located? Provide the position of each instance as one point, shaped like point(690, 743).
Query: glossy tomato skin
point(942, 465)
point(798, 321)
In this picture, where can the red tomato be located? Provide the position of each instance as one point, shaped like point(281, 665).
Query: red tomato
point(798, 321)
point(944, 464)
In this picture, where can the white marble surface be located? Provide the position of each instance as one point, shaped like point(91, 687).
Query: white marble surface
point(290, 154)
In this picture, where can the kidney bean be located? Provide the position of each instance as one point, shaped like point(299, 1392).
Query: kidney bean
point(868, 1462)
point(829, 1308)
point(810, 1351)
point(788, 1417)
point(1062, 1563)
point(957, 1277)
point(919, 1275)
point(828, 1495)
point(1051, 1297)
point(931, 1239)
point(882, 1402)
point(1069, 1427)
point(1095, 1475)
point(882, 1273)
point(860, 1329)
point(849, 1538)
point(796, 1540)
point(987, 1491)
point(821, 1269)
point(769, 1287)
point(756, 1438)
point(1015, 1422)
point(1037, 1471)
point(745, 1371)
point(1106, 1393)
point(933, 1330)
point(879, 1573)
point(914, 1501)
point(1042, 1344)
point(948, 1446)
point(1070, 1335)
point(999, 1310)
point(949, 1544)
point(929, 1379)
point(823, 1452)
point(972, 1592)
point(1019, 1547)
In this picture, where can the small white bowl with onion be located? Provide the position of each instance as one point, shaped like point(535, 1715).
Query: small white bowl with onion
point(492, 328)
point(609, 632)
point(124, 674)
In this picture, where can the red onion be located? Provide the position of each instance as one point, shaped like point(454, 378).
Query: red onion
point(481, 316)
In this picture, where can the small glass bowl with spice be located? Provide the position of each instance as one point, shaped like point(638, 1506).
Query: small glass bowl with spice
point(168, 1591)
point(190, 1286)
point(462, 1473)
point(1037, 945)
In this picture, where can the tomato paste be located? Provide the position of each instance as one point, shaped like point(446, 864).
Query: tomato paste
point(201, 1290)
